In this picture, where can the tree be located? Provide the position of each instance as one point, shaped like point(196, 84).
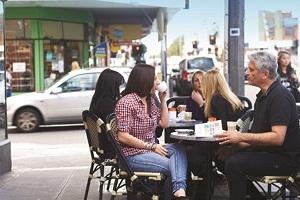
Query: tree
point(176, 48)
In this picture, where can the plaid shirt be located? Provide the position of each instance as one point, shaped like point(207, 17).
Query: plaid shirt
point(132, 118)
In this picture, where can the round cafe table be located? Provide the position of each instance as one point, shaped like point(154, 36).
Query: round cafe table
point(209, 168)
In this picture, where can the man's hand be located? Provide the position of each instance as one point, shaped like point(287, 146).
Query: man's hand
point(228, 137)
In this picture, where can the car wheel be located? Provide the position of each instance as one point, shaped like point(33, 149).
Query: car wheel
point(27, 120)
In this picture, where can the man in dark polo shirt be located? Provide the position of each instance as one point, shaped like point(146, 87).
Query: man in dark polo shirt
point(274, 141)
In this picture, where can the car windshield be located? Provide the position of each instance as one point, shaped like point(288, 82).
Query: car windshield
point(201, 63)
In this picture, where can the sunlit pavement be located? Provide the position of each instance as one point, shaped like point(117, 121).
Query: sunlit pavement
point(54, 164)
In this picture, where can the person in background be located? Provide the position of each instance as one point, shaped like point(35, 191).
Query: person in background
point(220, 102)
point(8, 76)
point(287, 73)
point(195, 103)
point(137, 118)
point(273, 143)
point(75, 65)
point(104, 100)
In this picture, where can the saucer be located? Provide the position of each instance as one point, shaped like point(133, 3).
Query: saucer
point(185, 131)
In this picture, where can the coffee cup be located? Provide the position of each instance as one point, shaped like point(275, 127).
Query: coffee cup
point(162, 87)
point(181, 108)
point(187, 115)
point(231, 126)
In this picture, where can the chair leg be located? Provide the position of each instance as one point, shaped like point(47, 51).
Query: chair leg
point(110, 177)
point(101, 182)
point(89, 181)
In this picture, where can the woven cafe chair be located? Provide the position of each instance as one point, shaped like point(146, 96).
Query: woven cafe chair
point(147, 184)
point(95, 128)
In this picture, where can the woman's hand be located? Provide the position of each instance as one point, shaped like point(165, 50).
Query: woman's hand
point(162, 96)
point(159, 149)
point(196, 96)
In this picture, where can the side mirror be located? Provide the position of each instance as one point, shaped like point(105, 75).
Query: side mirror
point(56, 90)
point(175, 70)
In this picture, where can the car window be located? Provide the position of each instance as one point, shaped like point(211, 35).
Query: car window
point(201, 63)
point(80, 82)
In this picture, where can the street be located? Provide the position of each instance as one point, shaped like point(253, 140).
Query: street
point(50, 164)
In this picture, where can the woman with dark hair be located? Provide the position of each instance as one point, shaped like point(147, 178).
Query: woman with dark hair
point(104, 101)
point(107, 93)
point(287, 73)
point(137, 118)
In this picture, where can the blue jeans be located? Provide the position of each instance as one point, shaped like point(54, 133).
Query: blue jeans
point(175, 166)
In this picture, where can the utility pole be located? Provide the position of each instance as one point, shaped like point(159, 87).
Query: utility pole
point(236, 14)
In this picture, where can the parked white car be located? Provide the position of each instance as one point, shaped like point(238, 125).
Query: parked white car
point(61, 103)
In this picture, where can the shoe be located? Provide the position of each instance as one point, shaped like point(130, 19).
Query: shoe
point(181, 198)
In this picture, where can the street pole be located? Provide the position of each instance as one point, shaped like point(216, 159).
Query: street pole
point(236, 14)
point(5, 144)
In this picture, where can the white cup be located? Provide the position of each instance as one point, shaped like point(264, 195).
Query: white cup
point(162, 87)
point(231, 126)
point(172, 115)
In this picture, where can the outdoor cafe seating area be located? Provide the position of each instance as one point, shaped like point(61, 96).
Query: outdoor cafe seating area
point(116, 173)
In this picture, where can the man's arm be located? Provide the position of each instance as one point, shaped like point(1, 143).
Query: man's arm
point(273, 138)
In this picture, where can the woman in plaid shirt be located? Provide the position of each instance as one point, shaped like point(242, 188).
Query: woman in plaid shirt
point(137, 118)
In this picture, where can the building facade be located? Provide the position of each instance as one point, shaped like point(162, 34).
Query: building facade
point(277, 25)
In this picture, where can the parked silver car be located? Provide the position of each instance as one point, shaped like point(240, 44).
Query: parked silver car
point(61, 103)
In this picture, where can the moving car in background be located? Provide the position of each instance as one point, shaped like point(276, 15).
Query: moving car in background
point(180, 80)
point(61, 103)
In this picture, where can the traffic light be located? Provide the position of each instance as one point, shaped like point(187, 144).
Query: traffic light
point(212, 39)
point(195, 44)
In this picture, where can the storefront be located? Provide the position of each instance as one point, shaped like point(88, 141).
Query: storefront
point(41, 44)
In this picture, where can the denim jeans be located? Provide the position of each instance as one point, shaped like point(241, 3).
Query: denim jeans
point(241, 164)
point(175, 166)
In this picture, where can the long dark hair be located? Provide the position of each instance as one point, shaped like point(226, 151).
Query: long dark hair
point(289, 69)
point(141, 81)
point(108, 85)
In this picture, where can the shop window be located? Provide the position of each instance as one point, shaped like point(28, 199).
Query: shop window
point(52, 30)
point(14, 29)
point(54, 61)
point(73, 31)
point(74, 52)
point(19, 54)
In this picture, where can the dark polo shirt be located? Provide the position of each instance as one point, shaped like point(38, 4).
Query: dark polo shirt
point(277, 107)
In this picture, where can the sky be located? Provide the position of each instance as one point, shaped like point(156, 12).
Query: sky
point(205, 17)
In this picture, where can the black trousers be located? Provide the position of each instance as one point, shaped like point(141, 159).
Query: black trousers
point(241, 164)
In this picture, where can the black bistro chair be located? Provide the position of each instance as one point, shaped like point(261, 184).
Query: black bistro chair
point(277, 186)
point(145, 184)
point(95, 130)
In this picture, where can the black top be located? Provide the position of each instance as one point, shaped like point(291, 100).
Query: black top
point(277, 107)
point(222, 110)
point(286, 78)
point(197, 112)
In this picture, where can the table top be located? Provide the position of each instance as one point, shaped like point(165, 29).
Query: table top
point(183, 123)
point(181, 136)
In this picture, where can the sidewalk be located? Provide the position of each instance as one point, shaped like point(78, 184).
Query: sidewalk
point(54, 165)
point(59, 184)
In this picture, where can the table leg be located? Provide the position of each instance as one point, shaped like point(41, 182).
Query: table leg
point(208, 175)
